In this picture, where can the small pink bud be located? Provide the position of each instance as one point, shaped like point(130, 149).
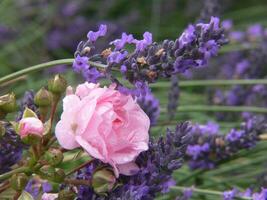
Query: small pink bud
point(30, 126)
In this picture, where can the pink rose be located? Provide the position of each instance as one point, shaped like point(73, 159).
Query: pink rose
point(30, 125)
point(109, 125)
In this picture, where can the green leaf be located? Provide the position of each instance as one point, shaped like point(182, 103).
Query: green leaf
point(25, 196)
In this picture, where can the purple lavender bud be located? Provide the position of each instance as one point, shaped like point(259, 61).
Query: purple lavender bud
point(80, 63)
point(142, 44)
point(123, 69)
point(255, 31)
point(229, 195)
point(234, 135)
point(117, 57)
point(120, 43)
point(150, 106)
point(187, 36)
point(214, 24)
point(242, 66)
point(92, 75)
point(260, 196)
point(10, 149)
point(93, 36)
point(26, 101)
point(173, 99)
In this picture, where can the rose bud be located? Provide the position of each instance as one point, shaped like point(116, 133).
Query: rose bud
point(30, 129)
point(43, 98)
point(19, 181)
point(103, 181)
point(53, 157)
point(57, 85)
point(8, 103)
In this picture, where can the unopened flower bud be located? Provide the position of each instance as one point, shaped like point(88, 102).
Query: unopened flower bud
point(53, 174)
point(57, 85)
point(19, 181)
point(8, 103)
point(103, 181)
point(43, 98)
point(66, 195)
point(31, 130)
point(53, 157)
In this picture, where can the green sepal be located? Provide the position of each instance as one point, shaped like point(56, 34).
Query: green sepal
point(29, 113)
point(25, 196)
point(15, 126)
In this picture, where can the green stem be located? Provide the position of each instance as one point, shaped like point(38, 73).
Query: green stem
point(197, 83)
point(10, 173)
point(206, 192)
point(42, 66)
point(205, 108)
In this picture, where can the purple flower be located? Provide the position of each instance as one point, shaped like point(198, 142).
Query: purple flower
point(242, 66)
point(173, 97)
point(234, 135)
point(93, 36)
point(10, 149)
point(260, 196)
point(229, 195)
point(196, 150)
point(255, 31)
point(209, 49)
point(92, 75)
point(117, 56)
point(214, 23)
point(26, 101)
point(187, 36)
point(150, 105)
point(227, 24)
point(220, 147)
point(80, 63)
point(125, 39)
point(210, 128)
point(123, 69)
point(142, 44)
